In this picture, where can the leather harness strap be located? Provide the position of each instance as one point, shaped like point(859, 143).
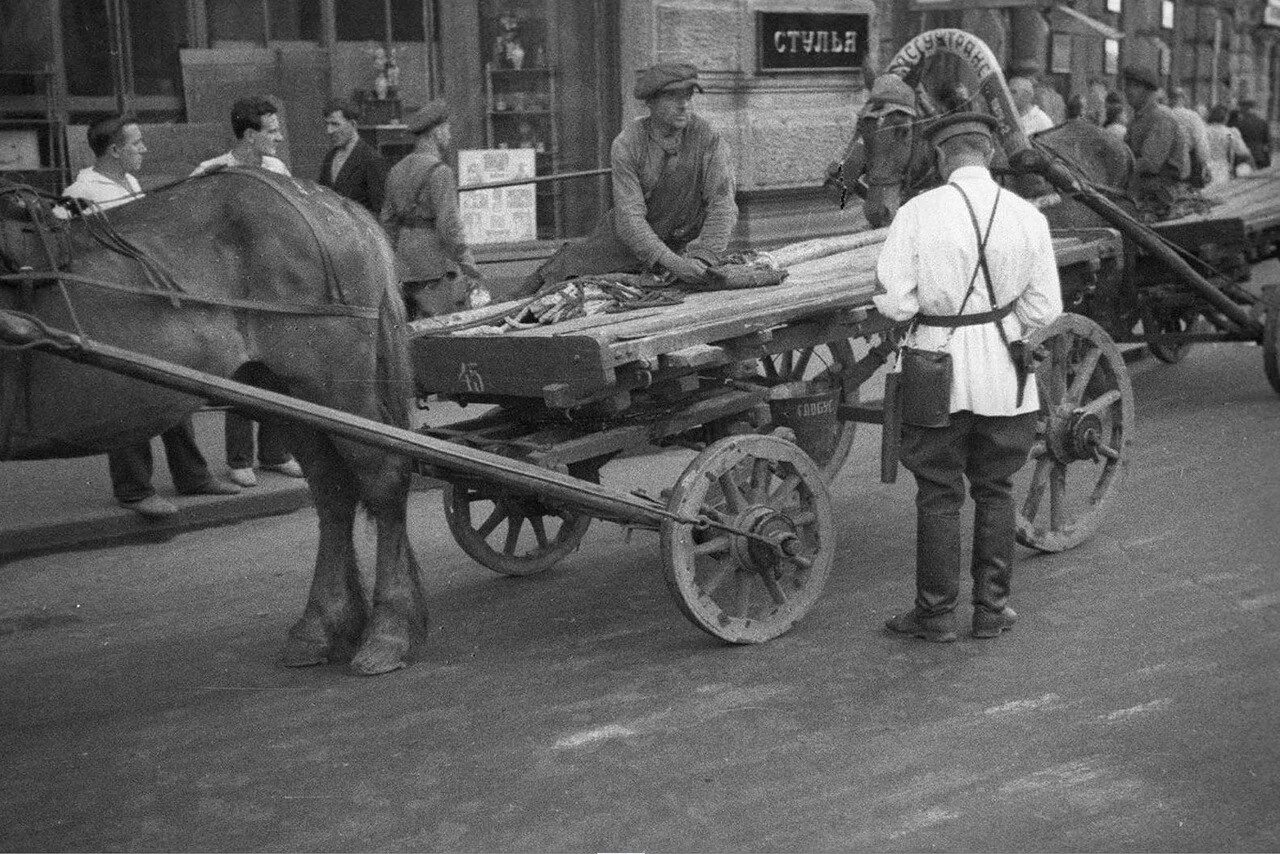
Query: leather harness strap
point(178, 297)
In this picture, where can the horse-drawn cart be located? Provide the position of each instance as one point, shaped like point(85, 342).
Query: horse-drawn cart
point(765, 384)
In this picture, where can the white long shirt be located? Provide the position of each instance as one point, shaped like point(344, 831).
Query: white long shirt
point(1035, 120)
point(91, 185)
point(925, 265)
point(271, 164)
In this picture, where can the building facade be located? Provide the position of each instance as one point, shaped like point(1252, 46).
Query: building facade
point(783, 78)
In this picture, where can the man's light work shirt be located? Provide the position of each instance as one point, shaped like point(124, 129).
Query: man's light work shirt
point(927, 261)
point(271, 164)
point(91, 185)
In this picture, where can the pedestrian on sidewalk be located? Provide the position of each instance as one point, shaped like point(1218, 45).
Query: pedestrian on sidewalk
point(421, 217)
point(118, 147)
point(974, 268)
point(353, 167)
point(255, 121)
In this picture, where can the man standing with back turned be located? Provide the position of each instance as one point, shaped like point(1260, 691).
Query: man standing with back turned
point(672, 191)
point(969, 302)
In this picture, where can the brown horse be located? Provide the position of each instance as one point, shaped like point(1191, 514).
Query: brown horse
point(256, 277)
point(888, 160)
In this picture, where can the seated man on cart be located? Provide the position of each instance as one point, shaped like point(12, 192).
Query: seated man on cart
point(672, 192)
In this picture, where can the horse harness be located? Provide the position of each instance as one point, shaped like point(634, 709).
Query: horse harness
point(36, 250)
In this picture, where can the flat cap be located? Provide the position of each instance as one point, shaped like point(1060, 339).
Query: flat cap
point(429, 116)
point(1141, 75)
point(957, 124)
point(890, 94)
point(665, 77)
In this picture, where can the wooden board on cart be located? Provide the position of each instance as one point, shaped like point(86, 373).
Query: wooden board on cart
point(577, 358)
point(1243, 209)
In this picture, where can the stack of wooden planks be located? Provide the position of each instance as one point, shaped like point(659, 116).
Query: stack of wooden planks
point(1253, 199)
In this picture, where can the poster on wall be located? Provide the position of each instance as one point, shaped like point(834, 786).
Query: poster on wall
point(503, 214)
point(19, 150)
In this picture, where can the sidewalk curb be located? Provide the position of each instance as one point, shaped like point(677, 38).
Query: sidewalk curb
point(112, 524)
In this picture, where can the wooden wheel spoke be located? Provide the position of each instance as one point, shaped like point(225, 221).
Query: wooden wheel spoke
point(1103, 402)
point(760, 477)
point(539, 530)
point(514, 524)
point(803, 519)
point(787, 371)
point(712, 546)
point(802, 363)
point(1107, 451)
point(1057, 496)
point(776, 592)
point(733, 497)
point(743, 603)
point(1038, 450)
point(786, 488)
point(1058, 369)
point(770, 370)
point(495, 519)
point(1039, 479)
point(725, 571)
point(1084, 372)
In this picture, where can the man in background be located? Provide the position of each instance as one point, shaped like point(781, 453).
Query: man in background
point(1162, 165)
point(1034, 120)
point(352, 168)
point(110, 182)
point(1255, 132)
point(1193, 127)
point(255, 121)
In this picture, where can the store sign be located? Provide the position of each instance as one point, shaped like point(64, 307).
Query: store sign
point(811, 41)
point(503, 214)
point(1271, 14)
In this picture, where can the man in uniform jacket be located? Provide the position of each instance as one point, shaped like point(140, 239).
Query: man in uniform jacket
point(672, 191)
point(1160, 149)
point(353, 167)
point(420, 214)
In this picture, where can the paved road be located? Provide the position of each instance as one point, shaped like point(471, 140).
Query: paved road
point(1135, 707)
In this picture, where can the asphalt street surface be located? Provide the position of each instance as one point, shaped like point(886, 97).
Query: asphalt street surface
point(1135, 707)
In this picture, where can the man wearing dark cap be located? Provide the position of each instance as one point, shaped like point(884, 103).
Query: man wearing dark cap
point(973, 267)
point(420, 214)
point(1160, 149)
point(672, 191)
point(1255, 132)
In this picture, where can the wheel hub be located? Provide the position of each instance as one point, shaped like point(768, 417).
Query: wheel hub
point(765, 522)
point(1083, 432)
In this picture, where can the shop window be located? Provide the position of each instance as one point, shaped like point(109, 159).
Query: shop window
point(1115, 6)
point(367, 21)
point(259, 21)
point(146, 35)
point(1166, 14)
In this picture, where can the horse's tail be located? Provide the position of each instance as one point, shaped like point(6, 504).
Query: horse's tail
point(395, 371)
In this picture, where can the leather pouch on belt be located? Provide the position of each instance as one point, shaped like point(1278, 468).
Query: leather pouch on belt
point(925, 387)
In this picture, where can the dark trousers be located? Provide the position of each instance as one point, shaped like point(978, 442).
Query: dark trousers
point(273, 446)
point(131, 466)
point(988, 451)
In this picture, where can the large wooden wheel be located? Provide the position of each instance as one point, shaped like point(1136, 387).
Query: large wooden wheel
point(735, 587)
point(1081, 451)
point(1186, 322)
point(513, 533)
point(1271, 340)
point(820, 368)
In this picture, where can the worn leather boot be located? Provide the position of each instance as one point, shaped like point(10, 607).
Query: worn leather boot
point(937, 580)
point(992, 569)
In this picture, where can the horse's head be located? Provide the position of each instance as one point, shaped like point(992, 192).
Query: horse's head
point(890, 147)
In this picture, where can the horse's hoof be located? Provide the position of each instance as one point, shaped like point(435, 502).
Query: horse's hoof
point(379, 655)
point(304, 653)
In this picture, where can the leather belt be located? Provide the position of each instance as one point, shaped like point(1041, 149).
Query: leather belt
point(953, 321)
